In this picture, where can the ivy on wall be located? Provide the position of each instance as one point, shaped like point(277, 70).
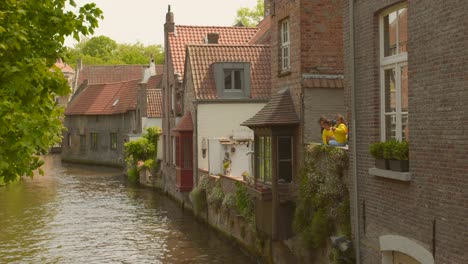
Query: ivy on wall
point(322, 206)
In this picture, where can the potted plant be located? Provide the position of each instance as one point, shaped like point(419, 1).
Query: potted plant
point(377, 151)
point(400, 157)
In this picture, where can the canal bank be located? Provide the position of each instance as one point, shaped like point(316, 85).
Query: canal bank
point(90, 214)
point(225, 219)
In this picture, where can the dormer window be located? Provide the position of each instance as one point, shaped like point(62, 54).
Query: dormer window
point(232, 79)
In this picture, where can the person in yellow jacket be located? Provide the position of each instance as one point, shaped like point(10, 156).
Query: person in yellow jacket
point(340, 131)
point(327, 132)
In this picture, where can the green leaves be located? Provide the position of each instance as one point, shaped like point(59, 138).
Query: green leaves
point(31, 39)
point(104, 50)
point(250, 17)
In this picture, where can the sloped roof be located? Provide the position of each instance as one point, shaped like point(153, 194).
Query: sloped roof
point(105, 99)
point(263, 34)
point(185, 124)
point(154, 97)
point(154, 82)
point(184, 35)
point(112, 73)
point(63, 66)
point(202, 58)
point(278, 111)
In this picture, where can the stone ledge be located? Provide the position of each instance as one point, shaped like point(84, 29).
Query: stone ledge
point(395, 175)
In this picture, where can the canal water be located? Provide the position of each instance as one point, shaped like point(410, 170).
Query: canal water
point(88, 214)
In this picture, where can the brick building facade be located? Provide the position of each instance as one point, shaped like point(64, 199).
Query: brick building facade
point(419, 217)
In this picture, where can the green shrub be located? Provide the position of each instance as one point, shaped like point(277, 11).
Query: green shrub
point(244, 203)
point(377, 150)
point(389, 147)
point(401, 151)
point(216, 196)
point(323, 200)
point(320, 228)
point(133, 175)
point(198, 198)
point(229, 201)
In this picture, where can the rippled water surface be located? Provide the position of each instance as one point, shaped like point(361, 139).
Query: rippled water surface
point(87, 214)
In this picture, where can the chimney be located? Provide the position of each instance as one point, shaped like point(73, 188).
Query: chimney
point(213, 38)
point(169, 26)
point(152, 66)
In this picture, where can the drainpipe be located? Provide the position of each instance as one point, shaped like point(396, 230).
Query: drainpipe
point(353, 131)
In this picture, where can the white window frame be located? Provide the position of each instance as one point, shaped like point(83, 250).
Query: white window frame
point(285, 45)
point(391, 62)
point(233, 81)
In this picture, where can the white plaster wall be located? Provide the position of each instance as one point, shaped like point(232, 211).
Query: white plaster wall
point(223, 120)
point(150, 122)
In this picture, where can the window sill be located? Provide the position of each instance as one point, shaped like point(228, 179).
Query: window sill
point(284, 73)
point(395, 175)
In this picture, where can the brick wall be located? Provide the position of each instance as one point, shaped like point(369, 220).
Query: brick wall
point(320, 101)
point(121, 124)
point(438, 100)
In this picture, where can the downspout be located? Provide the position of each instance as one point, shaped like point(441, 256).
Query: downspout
point(353, 131)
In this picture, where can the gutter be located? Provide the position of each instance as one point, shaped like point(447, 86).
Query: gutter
point(355, 198)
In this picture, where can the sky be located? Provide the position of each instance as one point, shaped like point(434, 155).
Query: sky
point(143, 20)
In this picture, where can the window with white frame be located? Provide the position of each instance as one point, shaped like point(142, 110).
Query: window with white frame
point(285, 45)
point(232, 79)
point(394, 73)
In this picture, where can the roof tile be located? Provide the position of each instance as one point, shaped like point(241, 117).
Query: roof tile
point(105, 99)
point(196, 35)
point(278, 111)
point(202, 58)
point(154, 97)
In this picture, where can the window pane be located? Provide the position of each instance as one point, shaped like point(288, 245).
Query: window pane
point(390, 91)
point(285, 61)
point(284, 148)
point(268, 159)
point(285, 171)
point(285, 159)
point(285, 32)
point(404, 88)
point(237, 80)
point(402, 30)
point(227, 79)
point(390, 126)
point(405, 127)
point(390, 23)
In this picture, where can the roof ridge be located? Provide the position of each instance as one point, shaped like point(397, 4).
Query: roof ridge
point(228, 45)
point(234, 27)
point(132, 80)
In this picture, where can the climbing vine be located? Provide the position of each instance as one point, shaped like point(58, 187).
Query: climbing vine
point(322, 207)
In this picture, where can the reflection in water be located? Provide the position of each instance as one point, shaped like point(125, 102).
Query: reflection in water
point(87, 214)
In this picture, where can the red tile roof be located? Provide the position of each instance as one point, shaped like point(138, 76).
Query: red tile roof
point(154, 82)
point(154, 98)
point(184, 35)
point(105, 99)
point(263, 34)
point(64, 67)
point(185, 124)
point(112, 73)
point(202, 57)
point(279, 111)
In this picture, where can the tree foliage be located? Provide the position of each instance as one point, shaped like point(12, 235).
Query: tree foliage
point(250, 17)
point(104, 50)
point(32, 35)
